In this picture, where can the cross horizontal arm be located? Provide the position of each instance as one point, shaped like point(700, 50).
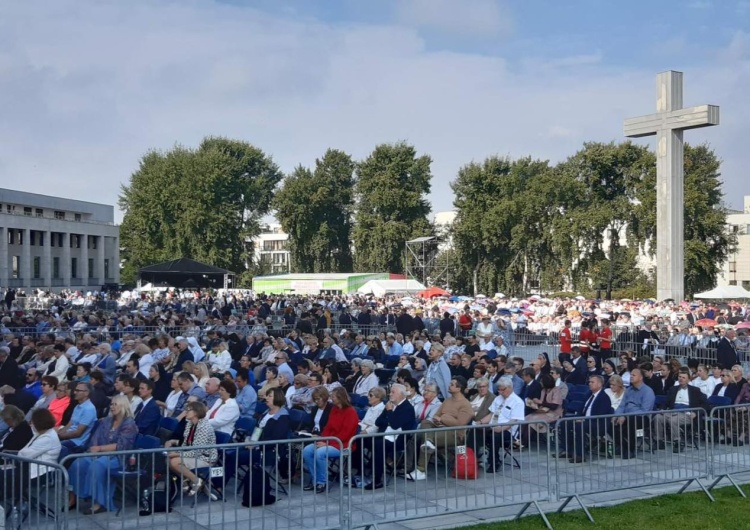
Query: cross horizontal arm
point(690, 118)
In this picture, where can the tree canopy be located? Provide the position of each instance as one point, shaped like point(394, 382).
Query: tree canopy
point(524, 225)
point(391, 206)
point(199, 203)
point(315, 208)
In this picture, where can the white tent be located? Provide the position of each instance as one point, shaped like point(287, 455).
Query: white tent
point(726, 292)
point(384, 287)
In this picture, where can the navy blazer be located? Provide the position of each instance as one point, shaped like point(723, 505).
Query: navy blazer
point(402, 417)
point(148, 419)
point(601, 406)
point(732, 391)
point(695, 397)
point(726, 354)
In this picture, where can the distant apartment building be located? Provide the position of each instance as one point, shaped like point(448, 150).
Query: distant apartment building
point(271, 249)
point(736, 270)
point(53, 243)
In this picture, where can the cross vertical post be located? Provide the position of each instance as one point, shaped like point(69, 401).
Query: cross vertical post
point(668, 125)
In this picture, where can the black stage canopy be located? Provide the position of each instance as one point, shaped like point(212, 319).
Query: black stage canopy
point(185, 272)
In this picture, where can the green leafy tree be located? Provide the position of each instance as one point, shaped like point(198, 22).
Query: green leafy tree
point(315, 209)
point(199, 203)
point(391, 206)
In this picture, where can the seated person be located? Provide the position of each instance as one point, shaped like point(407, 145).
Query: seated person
point(90, 476)
point(454, 412)
point(198, 432)
point(44, 447)
point(60, 404)
point(76, 433)
point(274, 425)
point(398, 416)
point(342, 424)
point(505, 412)
point(320, 411)
point(225, 412)
point(20, 431)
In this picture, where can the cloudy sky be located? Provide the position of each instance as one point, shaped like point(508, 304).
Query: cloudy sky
point(88, 86)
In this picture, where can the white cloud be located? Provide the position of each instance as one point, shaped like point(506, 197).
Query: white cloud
point(88, 87)
point(474, 18)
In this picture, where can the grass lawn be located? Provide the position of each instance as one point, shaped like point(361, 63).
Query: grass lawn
point(689, 511)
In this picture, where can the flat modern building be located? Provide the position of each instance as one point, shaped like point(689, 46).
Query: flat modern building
point(54, 243)
point(736, 270)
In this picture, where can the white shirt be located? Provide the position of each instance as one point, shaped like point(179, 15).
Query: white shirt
point(222, 416)
point(43, 447)
point(368, 422)
point(706, 386)
point(220, 362)
point(507, 410)
point(683, 397)
point(590, 401)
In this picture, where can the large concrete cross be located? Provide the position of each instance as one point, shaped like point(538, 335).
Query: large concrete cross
point(667, 124)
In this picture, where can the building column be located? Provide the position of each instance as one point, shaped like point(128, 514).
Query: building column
point(100, 253)
point(47, 259)
point(65, 260)
point(114, 267)
point(3, 257)
point(84, 267)
point(26, 257)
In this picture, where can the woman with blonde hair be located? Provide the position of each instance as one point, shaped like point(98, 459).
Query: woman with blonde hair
point(200, 370)
point(90, 476)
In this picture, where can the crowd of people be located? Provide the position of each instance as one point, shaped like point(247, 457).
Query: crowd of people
point(81, 380)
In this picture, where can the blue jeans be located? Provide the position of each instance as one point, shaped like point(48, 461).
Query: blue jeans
point(316, 461)
point(91, 477)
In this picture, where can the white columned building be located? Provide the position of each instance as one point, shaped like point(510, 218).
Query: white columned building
point(54, 243)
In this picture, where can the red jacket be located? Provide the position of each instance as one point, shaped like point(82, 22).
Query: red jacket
point(342, 424)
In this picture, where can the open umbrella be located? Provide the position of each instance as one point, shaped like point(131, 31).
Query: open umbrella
point(706, 322)
point(433, 292)
point(743, 325)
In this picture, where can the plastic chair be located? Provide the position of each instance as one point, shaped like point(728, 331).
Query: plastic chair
point(223, 438)
point(169, 424)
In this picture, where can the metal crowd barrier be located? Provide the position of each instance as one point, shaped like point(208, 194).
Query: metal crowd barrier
point(139, 487)
point(602, 454)
point(729, 428)
point(31, 493)
point(514, 472)
point(509, 475)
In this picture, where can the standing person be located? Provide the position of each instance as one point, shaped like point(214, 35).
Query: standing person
point(604, 340)
point(566, 341)
point(438, 371)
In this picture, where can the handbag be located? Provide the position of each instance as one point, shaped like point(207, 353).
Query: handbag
point(465, 466)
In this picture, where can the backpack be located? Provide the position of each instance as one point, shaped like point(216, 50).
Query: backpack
point(256, 488)
point(161, 497)
point(465, 467)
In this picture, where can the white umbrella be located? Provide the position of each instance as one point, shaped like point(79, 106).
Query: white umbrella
point(499, 295)
point(580, 298)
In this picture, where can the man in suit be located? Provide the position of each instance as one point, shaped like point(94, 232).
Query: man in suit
point(9, 374)
point(726, 352)
point(147, 414)
point(598, 404)
point(579, 365)
point(684, 395)
point(398, 415)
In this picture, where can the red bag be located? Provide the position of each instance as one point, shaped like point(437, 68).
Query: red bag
point(465, 467)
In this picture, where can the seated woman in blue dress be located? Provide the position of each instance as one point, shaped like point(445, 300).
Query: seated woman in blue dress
point(91, 476)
